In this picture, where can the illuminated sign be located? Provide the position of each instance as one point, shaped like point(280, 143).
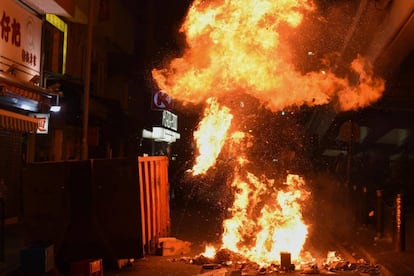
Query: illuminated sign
point(169, 120)
point(161, 134)
point(42, 122)
point(63, 27)
point(20, 40)
point(161, 101)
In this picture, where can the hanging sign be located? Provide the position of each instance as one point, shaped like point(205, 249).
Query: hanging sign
point(42, 122)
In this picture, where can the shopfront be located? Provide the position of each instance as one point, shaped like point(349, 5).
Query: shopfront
point(21, 97)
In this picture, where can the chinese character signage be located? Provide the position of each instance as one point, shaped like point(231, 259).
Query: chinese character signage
point(20, 39)
point(42, 122)
point(169, 120)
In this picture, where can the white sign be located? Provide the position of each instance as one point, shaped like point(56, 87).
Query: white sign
point(42, 122)
point(161, 134)
point(169, 120)
point(20, 40)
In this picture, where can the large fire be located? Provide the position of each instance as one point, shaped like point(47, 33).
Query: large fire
point(266, 222)
point(241, 46)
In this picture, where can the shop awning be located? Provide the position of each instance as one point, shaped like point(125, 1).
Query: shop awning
point(18, 122)
point(21, 92)
point(25, 89)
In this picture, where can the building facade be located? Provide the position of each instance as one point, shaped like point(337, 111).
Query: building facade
point(59, 54)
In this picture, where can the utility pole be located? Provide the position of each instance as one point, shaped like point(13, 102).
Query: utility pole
point(87, 86)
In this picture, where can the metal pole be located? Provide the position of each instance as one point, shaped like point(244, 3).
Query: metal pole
point(87, 82)
point(380, 215)
point(399, 224)
point(350, 198)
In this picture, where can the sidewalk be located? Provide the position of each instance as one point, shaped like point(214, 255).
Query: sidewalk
point(13, 245)
point(383, 251)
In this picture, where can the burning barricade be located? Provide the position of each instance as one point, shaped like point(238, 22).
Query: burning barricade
point(238, 51)
point(224, 261)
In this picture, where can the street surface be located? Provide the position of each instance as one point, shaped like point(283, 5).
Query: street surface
point(201, 225)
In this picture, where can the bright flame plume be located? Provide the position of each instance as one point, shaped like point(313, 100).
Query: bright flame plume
point(211, 135)
point(242, 46)
point(263, 224)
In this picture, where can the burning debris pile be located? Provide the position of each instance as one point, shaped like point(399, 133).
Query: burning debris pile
point(225, 260)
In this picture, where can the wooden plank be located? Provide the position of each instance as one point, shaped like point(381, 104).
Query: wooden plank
point(147, 204)
point(153, 201)
point(157, 193)
point(142, 201)
point(167, 198)
point(164, 196)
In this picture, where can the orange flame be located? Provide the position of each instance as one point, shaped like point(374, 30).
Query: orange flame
point(261, 230)
point(211, 135)
point(240, 46)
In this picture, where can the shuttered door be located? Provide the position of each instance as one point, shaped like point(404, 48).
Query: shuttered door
point(10, 169)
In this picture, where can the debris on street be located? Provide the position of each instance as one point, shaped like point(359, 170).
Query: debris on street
point(226, 260)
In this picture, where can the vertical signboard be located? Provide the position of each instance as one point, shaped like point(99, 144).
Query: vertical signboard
point(169, 120)
point(42, 122)
point(20, 40)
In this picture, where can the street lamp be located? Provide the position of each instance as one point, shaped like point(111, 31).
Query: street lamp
point(56, 107)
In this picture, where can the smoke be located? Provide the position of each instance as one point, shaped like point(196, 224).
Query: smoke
point(243, 47)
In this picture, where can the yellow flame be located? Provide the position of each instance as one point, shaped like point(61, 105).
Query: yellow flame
point(278, 227)
point(242, 46)
point(211, 135)
point(209, 251)
point(264, 221)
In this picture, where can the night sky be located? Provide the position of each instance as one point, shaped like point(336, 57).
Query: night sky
point(157, 28)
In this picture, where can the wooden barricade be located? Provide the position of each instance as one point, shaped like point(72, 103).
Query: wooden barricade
point(155, 198)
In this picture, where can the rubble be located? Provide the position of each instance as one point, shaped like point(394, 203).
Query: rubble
point(171, 246)
point(215, 272)
point(224, 256)
point(226, 260)
point(310, 269)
